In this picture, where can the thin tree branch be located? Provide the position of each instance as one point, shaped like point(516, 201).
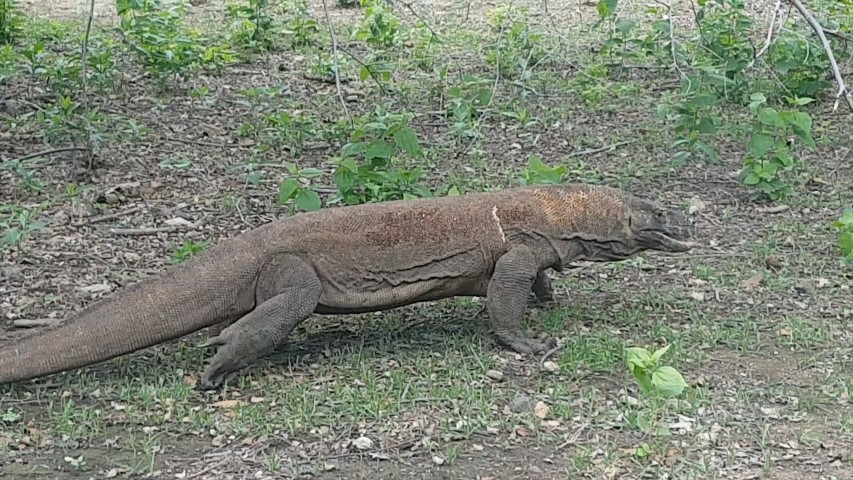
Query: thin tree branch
point(84, 60)
point(769, 38)
point(672, 39)
point(842, 88)
point(44, 153)
point(335, 60)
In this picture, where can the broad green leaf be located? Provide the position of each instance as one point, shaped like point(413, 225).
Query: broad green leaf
point(802, 124)
point(784, 156)
point(307, 200)
point(407, 140)
point(660, 353)
point(769, 116)
point(311, 172)
point(668, 381)
point(759, 144)
point(363, 73)
point(606, 8)
point(845, 220)
point(703, 100)
point(800, 100)
point(642, 379)
point(708, 150)
point(344, 180)
point(756, 99)
point(625, 26)
point(845, 241)
point(380, 149)
point(706, 126)
point(287, 189)
point(638, 356)
point(681, 157)
point(353, 149)
point(453, 192)
point(751, 179)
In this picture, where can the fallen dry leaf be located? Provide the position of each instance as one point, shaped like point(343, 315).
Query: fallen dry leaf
point(227, 403)
point(752, 282)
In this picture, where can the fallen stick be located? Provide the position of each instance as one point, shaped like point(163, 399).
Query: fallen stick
point(138, 232)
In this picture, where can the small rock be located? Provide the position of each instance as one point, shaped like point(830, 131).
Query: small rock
point(541, 410)
point(437, 460)
point(551, 366)
point(521, 403)
point(696, 205)
point(495, 375)
point(363, 443)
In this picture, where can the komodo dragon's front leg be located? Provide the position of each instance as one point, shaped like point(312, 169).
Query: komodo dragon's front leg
point(287, 293)
point(516, 273)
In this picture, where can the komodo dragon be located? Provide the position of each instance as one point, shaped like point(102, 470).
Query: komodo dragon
point(357, 259)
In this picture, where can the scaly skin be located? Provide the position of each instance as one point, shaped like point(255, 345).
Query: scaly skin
point(265, 282)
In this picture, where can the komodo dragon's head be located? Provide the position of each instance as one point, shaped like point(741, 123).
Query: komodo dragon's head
point(653, 227)
point(617, 225)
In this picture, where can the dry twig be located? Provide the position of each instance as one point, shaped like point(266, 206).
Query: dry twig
point(335, 60)
point(84, 54)
point(138, 232)
point(51, 151)
point(672, 38)
point(769, 38)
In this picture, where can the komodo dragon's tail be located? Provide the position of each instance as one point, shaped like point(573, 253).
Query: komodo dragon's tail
point(205, 290)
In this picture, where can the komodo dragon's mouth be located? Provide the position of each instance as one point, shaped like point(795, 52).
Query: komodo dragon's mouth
point(661, 241)
point(672, 234)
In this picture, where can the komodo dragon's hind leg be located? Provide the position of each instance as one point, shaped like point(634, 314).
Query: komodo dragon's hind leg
point(287, 293)
point(506, 299)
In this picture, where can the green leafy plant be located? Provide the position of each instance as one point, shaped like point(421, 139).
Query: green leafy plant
point(188, 249)
point(537, 173)
point(653, 379)
point(468, 99)
point(769, 158)
point(517, 48)
point(156, 33)
point(253, 23)
point(365, 170)
point(696, 124)
point(18, 224)
point(296, 188)
point(301, 26)
point(380, 27)
point(844, 225)
point(11, 22)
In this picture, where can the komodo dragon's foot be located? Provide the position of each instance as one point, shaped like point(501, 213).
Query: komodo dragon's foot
point(233, 353)
point(523, 344)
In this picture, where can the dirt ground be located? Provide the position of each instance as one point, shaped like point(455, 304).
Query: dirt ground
point(758, 318)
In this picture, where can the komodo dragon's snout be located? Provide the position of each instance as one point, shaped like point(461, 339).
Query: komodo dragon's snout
point(657, 228)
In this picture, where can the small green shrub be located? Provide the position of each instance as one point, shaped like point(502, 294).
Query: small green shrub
point(769, 158)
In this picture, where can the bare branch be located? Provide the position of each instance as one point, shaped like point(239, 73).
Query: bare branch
point(769, 38)
point(842, 88)
point(84, 54)
point(672, 38)
point(335, 60)
point(45, 153)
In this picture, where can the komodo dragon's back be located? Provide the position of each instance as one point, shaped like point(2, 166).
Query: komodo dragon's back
point(355, 259)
